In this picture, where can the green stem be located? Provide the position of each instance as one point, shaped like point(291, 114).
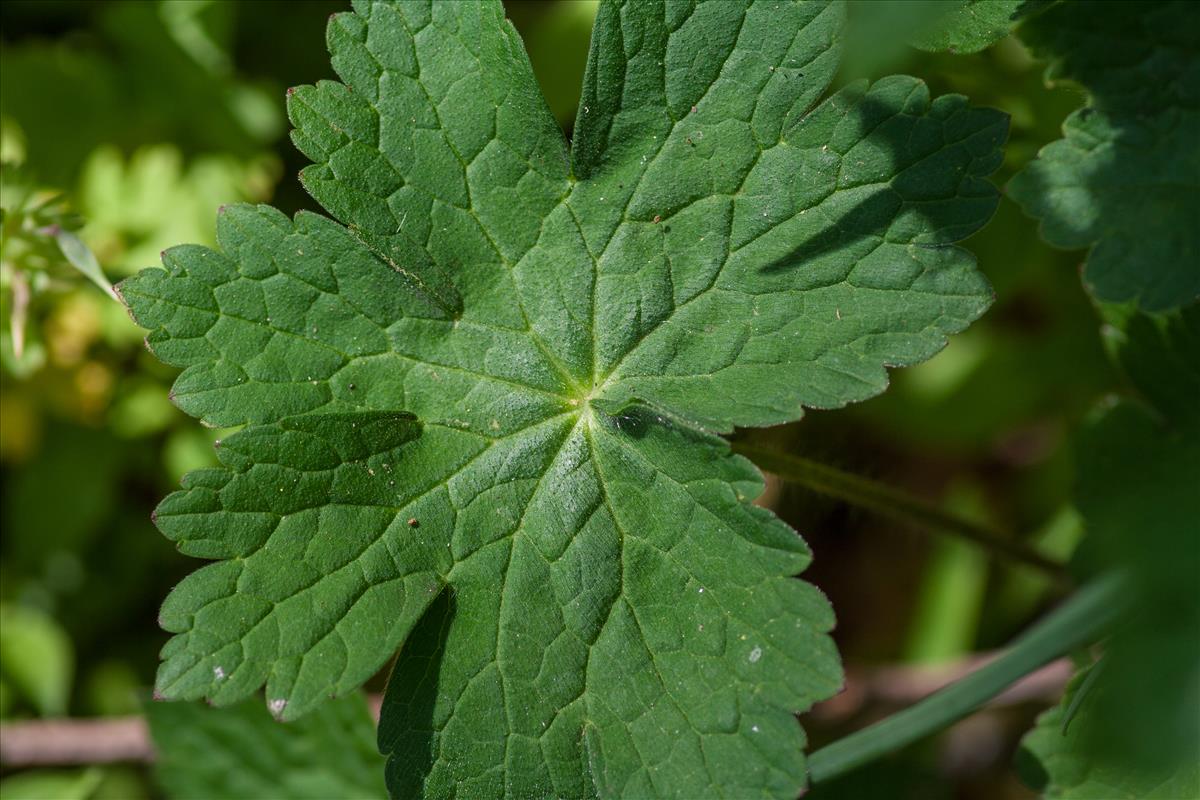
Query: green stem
point(1079, 621)
point(893, 504)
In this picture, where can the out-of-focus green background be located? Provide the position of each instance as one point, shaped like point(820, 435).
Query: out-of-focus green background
point(149, 114)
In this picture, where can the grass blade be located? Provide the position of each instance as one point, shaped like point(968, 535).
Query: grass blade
point(1077, 622)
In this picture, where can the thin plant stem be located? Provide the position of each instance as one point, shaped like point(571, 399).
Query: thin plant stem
point(20, 311)
point(887, 501)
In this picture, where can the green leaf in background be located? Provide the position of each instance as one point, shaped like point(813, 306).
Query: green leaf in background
point(1123, 180)
point(121, 82)
point(479, 414)
point(1054, 759)
point(881, 35)
point(241, 752)
point(1138, 464)
point(1136, 731)
point(36, 658)
point(968, 26)
point(137, 206)
point(83, 259)
point(52, 785)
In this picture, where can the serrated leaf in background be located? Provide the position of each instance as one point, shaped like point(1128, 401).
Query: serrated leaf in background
point(1123, 181)
point(968, 26)
point(1057, 759)
point(1137, 730)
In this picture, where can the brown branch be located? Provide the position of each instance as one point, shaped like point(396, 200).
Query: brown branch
point(75, 741)
point(58, 742)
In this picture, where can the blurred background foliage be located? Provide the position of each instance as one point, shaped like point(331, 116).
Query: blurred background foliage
point(126, 123)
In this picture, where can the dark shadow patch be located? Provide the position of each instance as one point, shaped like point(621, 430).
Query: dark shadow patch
point(407, 735)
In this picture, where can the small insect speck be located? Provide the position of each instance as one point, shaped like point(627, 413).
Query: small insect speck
point(352, 387)
point(413, 523)
point(657, 218)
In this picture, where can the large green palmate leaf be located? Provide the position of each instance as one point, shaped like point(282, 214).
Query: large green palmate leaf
point(1125, 178)
point(482, 411)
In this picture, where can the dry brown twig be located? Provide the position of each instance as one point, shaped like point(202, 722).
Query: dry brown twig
point(56, 742)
